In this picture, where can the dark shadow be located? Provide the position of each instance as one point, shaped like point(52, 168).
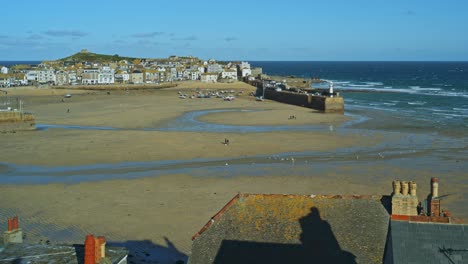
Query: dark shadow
point(145, 251)
point(79, 249)
point(318, 245)
point(386, 201)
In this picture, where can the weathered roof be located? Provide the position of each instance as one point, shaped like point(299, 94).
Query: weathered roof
point(258, 228)
point(42, 253)
point(417, 242)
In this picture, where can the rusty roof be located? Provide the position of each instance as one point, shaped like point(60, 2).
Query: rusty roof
point(344, 228)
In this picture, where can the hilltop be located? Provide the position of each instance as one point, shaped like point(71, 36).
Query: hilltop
point(85, 55)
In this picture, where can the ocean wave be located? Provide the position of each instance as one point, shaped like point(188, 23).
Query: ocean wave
point(450, 115)
point(374, 83)
point(424, 89)
point(417, 103)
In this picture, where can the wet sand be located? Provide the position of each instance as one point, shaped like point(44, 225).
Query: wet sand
point(176, 206)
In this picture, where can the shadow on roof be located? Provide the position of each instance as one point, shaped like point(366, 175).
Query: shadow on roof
point(318, 245)
point(145, 251)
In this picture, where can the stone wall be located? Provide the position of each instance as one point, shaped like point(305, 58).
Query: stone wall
point(317, 102)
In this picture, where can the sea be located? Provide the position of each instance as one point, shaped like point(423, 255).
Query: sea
point(415, 96)
point(405, 96)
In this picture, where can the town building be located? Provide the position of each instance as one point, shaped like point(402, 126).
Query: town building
point(214, 68)
point(136, 77)
point(62, 77)
point(90, 76)
point(243, 69)
point(121, 77)
point(106, 75)
point(3, 70)
point(209, 77)
point(46, 76)
point(229, 74)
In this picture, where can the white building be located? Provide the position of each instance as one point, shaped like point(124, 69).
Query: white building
point(61, 77)
point(246, 72)
point(4, 70)
point(72, 78)
point(32, 76)
point(122, 77)
point(106, 75)
point(214, 68)
point(194, 75)
point(229, 74)
point(209, 77)
point(46, 76)
point(244, 69)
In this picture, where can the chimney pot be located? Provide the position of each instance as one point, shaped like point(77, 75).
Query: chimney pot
point(15, 223)
point(412, 188)
point(396, 187)
point(102, 242)
point(404, 188)
point(10, 224)
point(434, 187)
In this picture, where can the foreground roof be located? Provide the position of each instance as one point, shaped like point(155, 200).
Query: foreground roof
point(40, 253)
point(258, 228)
point(417, 242)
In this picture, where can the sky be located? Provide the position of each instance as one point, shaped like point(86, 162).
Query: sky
point(293, 30)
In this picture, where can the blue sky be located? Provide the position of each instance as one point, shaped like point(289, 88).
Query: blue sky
point(235, 30)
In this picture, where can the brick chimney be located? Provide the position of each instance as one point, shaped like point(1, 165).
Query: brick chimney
point(404, 199)
point(90, 250)
point(434, 201)
point(95, 249)
point(14, 234)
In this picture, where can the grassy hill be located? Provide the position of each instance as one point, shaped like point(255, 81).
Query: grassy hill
point(94, 57)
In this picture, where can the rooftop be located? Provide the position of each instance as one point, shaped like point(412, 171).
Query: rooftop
point(427, 242)
point(270, 228)
point(42, 253)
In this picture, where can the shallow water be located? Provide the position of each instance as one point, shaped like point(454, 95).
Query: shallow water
point(396, 147)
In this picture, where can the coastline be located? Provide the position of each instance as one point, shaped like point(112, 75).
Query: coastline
point(329, 160)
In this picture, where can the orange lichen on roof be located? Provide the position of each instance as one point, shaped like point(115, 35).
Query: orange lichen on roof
point(255, 208)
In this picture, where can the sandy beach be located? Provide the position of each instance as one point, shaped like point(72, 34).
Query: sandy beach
point(173, 206)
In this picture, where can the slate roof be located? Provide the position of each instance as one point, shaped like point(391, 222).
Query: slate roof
point(416, 242)
point(259, 228)
point(51, 254)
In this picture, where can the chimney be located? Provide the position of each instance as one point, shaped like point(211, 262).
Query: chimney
point(102, 247)
point(396, 187)
point(15, 223)
point(434, 201)
point(404, 188)
point(10, 224)
point(402, 203)
point(14, 234)
point(412, 188)
point(434, 187)
point(90, 255)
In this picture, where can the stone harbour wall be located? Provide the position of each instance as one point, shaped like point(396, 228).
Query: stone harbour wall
point(322, 103)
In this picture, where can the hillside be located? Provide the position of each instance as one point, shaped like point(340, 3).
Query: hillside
point(84, 55)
